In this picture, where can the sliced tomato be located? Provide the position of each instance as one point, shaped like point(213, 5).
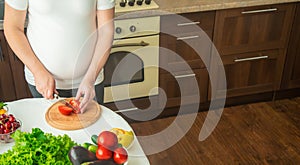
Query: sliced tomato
point(65, 110)
point(75, 104)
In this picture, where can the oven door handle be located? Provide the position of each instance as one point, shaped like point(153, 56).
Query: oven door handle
point(142, 43)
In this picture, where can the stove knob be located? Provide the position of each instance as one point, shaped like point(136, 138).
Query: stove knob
point(132, 28)
point(139, 2)
point(148, 2)
point(118, 30)
point(131, 2)
point(123, 3)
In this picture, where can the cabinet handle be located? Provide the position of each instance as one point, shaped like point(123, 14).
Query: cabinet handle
point(185, 76)
point(186, 38)
point(188, 23)
point(259, 11)
point(126, 110)
point(251, 58)
point(1, 55)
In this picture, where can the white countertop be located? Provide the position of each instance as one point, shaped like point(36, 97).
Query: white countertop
point(32, 114)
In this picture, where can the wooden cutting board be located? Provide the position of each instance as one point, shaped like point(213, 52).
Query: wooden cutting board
point(73, 121)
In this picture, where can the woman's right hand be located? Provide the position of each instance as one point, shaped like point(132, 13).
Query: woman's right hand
point(45, 84)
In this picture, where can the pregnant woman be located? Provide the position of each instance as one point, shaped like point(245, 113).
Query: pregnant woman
point(65, 47)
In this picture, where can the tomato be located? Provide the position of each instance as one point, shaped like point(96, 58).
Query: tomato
point(75, 104)
point(65, 110)
point(120, 155)
point(103, 153)
point(108, 139)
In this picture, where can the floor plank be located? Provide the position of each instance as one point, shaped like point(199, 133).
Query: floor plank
point(260, 133)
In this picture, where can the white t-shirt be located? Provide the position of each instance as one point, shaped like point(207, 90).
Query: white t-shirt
point(60, 33)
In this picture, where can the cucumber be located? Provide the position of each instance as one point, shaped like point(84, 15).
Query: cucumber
point(95, 139)
point(86, 145)
point(93, 148)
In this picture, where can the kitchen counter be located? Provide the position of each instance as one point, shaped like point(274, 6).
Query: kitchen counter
point(184, 6)
point(187, 6)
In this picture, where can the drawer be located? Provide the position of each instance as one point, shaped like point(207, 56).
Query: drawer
point(174, 24)
point(253, 29)
point(180, 89)
point(252, 73)
point(187, 48)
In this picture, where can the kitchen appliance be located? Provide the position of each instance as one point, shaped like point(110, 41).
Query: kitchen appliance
point(132, 68)
point(134, 5)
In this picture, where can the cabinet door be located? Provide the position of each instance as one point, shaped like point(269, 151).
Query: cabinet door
point(188, 22)
point(17, 67)
point(186, 94)
point(253, 29)
point(291, 78)
point(182, 35)
point(7, 91)
point(179, 51)
point(253, 73)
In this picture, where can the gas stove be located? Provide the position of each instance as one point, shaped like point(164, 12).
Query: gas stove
point(134, 5)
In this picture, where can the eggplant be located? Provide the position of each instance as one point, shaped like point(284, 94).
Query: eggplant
point(100, 162)
point(79, 155)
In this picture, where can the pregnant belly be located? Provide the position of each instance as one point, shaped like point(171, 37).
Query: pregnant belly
point(67, 69)
point(67, 58)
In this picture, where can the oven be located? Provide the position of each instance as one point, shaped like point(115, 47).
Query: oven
point(132, 69)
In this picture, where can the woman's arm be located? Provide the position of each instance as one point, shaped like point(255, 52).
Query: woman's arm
point(105, 34)
point(14, 32)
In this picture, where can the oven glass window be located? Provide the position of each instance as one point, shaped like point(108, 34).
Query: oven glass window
point(123, 68)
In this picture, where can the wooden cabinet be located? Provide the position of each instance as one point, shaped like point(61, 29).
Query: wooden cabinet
point(189, 37)
point(291, 77)
point(7, 90)
point(179, 52)
point(253, 28)
point(185, 43)
point(17, 67)
point(254, 72)
point(12, 83)
point(185, 87)
point(252, 43)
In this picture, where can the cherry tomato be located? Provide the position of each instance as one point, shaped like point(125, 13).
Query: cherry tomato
point(103, 153)
point(65, 110)
point(120, 155)
point(75, 104)
point(108, 139)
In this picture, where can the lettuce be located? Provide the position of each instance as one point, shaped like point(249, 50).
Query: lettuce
point(38, 148)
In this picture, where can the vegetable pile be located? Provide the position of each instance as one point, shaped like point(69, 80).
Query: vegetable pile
point(38, 147)
point(106, 151)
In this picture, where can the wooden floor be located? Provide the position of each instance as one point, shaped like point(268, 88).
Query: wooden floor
point(260, 133)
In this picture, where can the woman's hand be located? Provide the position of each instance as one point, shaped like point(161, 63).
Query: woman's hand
point(45, 84)
point(87, 91)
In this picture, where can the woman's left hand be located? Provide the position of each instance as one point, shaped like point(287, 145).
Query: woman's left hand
point(87, 91)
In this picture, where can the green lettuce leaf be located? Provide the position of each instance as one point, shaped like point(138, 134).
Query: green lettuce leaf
point(38, 148)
